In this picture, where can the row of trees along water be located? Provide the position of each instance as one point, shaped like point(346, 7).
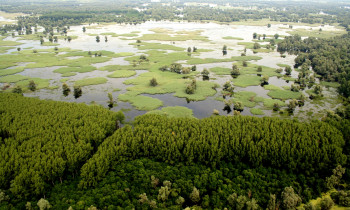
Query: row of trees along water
point(329, 58)
point(54, 14)
point(64, 151)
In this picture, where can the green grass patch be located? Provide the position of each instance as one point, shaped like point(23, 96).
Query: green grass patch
point(168, 35)
point(9, 43)
point(64, 80)
point(256, 111)
point(82, 69)
point(156, 46)
point(121, 54)
point(141, 102)
point(248, 99)
point(234, 38)
point(268, 102)
point(5, 49)
point(247, 80)
point(12, 78)
point(221, 70)
point(193, 61)
point(284, 94)
point(5, 72)
point(326, 84)
point(40, 83)
point(316, 33)
point(69, 74)
point(109, 33)
point(125, 35)
point(174, 111)
point(49, 44)
point(262, 50)
point(122, 73)
point(271, 87)
point(283, 65)
point(91, 81)
point(288, 78)
point(203, 90)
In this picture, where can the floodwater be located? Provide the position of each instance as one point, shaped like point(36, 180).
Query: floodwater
point(97, 94)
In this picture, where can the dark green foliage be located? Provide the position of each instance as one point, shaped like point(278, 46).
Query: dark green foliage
point(153, 82)
point(32, 85)
point(41, 142)
point(65, 89)
point(235, 71)
point(77, 92)
point(326, 203)
point(290, 200)
point(256, 46)
point(224, 50)
point(194, 68)
point(288, 70)
point(125, 182)
point(279, 135)
point(327, 57)
point(238, 106)
point(18, 90)
point(176, 67)
point(191, 88)
point(205, 74)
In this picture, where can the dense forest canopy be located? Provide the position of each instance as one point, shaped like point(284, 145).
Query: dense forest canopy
point(82, 156)
point(48, 148)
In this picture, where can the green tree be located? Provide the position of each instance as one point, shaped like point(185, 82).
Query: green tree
point(224, 50)
point(97, 39)
point(256, 46)
point(195, 196)
point(238, 106)
point(43, 204)
point(272, 202)
point(77, 92)
point(292, 105)
point(189, 50)
point(276, 36)
point(326, 203)
point(163, 193)
point(153, 82)
point(110, 100)
point(269, 25)
point(194, 68)
point(18, 90)
point(176, 67)
point(252, 205)
point(180, 201)
point(32, 85)
point(84, 29)
point(65, 89)
point(255, 35)
point(334, 179)
point(264, 80)
point(288, 70)
point(290, 200)
point(205, 74)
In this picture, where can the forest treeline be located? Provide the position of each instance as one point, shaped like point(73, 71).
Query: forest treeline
point(329, 58)
point(75, 155)
point(54, 14)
